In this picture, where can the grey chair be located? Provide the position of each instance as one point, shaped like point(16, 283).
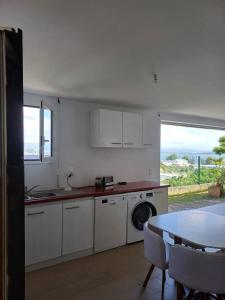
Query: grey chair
point(199, 271)
point(156, 251)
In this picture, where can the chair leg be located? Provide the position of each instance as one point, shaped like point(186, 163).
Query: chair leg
point(191, 294)
point(179, 291)
point(183, 290)
point(148, 276)
point(163, 283)
point(205, 296)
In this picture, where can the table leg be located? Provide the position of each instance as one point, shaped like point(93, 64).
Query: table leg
point(178, 240)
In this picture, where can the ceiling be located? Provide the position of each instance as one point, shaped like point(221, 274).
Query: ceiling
point(107, 50)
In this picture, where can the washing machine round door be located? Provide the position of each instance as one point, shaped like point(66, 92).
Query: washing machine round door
point(141, 213)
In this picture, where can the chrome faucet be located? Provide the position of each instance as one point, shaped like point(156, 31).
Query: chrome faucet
point(27, 192)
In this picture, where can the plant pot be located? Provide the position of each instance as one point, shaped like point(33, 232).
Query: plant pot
point(215, 191)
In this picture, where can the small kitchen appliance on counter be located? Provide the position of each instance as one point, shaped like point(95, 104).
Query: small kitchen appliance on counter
point(107, 181)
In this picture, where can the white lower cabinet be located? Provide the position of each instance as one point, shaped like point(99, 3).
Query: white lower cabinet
point(43, 229)
point(78, 222)
point(54, 230)
point(161, 198)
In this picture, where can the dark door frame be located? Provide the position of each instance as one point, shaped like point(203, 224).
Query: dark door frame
point(3, 239)
point(12, 249)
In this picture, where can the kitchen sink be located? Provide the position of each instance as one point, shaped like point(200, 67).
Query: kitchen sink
point(42, 195)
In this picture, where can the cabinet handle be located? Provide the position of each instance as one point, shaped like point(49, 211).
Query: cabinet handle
point(116, 143)
point(112, 203)
point(73, 207)
point(129, 143)
point(147, 144)
point(36, 213)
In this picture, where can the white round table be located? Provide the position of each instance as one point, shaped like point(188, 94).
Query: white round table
point(199, 227)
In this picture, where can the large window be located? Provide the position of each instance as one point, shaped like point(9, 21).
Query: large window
point(187, 154)
point(38, 133)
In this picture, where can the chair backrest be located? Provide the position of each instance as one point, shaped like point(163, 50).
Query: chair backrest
point(154, 248)
point(198, 270)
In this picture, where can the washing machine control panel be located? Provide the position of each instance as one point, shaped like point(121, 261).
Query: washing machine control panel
point(149, 195)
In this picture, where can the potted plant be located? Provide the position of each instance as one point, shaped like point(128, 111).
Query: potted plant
point(214, 191)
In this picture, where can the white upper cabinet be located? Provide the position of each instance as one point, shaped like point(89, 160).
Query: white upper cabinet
point(132, 130)
point(150, 131)
point(117, 129)
point(106, 128)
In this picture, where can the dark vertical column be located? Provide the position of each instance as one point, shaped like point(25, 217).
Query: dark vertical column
point(15, 165)
point(3, 239)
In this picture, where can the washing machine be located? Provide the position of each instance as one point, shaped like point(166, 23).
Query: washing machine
point(140, 207)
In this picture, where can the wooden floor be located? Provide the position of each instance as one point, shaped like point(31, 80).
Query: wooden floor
point(115, 274)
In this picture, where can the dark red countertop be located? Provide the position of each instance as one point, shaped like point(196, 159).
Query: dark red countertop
point(91, 191)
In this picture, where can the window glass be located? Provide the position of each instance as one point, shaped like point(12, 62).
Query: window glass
point(31, 133)
point(47, 123)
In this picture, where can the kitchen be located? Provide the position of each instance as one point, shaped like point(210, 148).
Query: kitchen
point(84, 208)
point(70, 223)
point(85, 87)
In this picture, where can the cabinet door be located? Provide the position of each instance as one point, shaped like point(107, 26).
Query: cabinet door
point(110, 128)
point(161, 200)
point(110, 222)
point(44, 232)
point(78, 225)
point(151, 131)
point(132, 130)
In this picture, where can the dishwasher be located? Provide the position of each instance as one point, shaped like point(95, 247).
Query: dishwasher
point(110, 222)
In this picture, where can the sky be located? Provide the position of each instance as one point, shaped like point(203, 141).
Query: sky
point(31, 124)
point(32, 130)
point(182, 137)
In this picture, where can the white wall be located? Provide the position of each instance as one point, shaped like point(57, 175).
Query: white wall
point(72, 150)
point(123, 164)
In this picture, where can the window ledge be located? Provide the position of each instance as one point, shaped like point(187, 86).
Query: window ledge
point(29, 162)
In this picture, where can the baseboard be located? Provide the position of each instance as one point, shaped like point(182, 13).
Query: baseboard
point(58, 260)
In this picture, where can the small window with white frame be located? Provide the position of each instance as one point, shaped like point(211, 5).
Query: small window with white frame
point(38, 133)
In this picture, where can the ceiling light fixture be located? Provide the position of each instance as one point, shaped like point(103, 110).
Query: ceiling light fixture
point(155, 77)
